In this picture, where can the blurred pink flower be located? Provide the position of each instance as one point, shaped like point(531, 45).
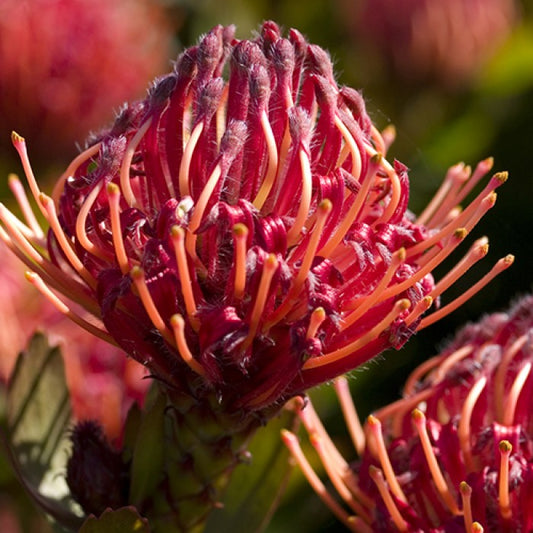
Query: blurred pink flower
point(423, 40)
point(456, 452)
point(66, 64)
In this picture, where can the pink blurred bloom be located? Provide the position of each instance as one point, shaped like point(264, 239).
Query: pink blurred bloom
point(428, 40)
point(456, 452)
point(66, 64)
point(103, 382)
point(245, 235)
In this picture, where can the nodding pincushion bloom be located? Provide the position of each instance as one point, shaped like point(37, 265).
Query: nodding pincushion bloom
point(66, 64)
point(456, 452)
point(446, 42)
point(240, 232)
point(103, 383)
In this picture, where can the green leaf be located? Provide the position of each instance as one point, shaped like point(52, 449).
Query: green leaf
point(148, 449)
point(256, 487)
point(36, 437)
point(124, 520)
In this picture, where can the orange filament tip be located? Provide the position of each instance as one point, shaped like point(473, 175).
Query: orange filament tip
point(12, 178)
point(465, 488)
point(501, 177)
point(426, 302)
point(44, 199)
point(319, 313)
point(491, 198)
point(421, 307)
point(16, 138)
point(137, 273)
point(477, 528)
point(177, 321)
point(507, 261)
point(389, 130)
point(271, 262)
point(505, 447)
point(112, 189)
point(482, 250)
point(240, 230)
point(177, 232)
point(373, 422)
point(466, 494)
point(460, 233)
point(376, 158)
point(317, 317)
point(288, 437)
point(30, 276)
point(325, 206)
point(402, 305)
point(375, 472)
point(418, 416)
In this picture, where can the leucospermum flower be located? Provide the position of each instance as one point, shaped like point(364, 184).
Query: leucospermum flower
point(240, 232)
point(455, 453)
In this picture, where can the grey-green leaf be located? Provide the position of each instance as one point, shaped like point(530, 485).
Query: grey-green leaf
point(36, 437)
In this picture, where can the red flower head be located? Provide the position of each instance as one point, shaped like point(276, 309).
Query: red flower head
point(240, 231)
point(456, 453)
point(66, 64)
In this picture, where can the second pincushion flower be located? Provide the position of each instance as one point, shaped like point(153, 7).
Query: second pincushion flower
point(245, 235)
point(455, 453)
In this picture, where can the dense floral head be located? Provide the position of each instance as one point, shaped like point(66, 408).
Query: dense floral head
point(240, 230)
point(423, 40)
point(456, 453)
point(66, 64)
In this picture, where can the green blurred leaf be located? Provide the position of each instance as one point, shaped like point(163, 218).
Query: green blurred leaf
point(148, 449)
point(509, 71)
point(463, 139)
point(125, 520)
point(36, 437)
point(256, 487)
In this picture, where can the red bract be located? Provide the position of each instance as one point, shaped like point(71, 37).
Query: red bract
point(245, 235)
point(456, 453)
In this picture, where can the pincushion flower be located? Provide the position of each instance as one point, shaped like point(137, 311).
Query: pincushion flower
point(66, 65)
point(244, 236)
point(455, 453)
